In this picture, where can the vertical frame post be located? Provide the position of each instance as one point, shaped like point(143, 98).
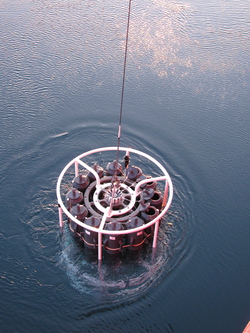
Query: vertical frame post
point(156, 233)
point(99, 246)
point(105, 215)
point(165, 195)
point(60, 216)
point(76, 168)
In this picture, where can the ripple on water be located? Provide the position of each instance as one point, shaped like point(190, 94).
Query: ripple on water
point(122, 280)
point(118, 281)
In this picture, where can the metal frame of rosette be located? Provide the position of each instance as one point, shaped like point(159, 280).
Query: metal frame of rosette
point(107, 211)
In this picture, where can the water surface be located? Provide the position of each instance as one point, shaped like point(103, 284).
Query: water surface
point(186, 103)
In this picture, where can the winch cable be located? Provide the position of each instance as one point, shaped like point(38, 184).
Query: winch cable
point(122, 97)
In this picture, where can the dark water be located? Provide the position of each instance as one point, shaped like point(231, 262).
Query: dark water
point(186, 103)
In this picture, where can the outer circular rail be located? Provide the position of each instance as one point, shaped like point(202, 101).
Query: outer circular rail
point(105, 213)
